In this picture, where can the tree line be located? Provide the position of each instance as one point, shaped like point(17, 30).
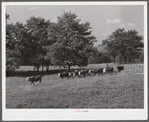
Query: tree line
point(40, 42)
point(121, 46)
point(66, 43)
point(126, 46)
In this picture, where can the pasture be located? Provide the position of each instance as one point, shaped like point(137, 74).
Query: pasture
point(116, 90)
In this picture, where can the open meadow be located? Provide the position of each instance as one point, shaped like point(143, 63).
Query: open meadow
point(115, 90)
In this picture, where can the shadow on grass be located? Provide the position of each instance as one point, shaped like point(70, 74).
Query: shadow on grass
point(32, 73)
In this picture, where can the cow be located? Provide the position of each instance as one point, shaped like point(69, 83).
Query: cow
point(109, 69)
point(90, 72)
point(64, 74)
point(120, 68)
point(98, 71)
point(33, 79)
point(71, 74)
point(84, 72)
point(75, 73)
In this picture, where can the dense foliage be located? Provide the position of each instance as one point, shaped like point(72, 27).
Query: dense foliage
point(40, 42)
point(125, 45)
point(66, 43)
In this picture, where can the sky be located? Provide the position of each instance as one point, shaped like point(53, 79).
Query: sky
point(104, 19)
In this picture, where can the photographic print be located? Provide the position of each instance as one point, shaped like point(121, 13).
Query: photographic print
point(74, 60)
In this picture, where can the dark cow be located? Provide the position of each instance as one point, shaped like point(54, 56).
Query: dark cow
point(64, 74)
point(98, 71)
point(120, 68)
point(75, 73)
point(71, 74)
point(33, 79)
point(109, 69)
point(90, 72)
point(84, 72)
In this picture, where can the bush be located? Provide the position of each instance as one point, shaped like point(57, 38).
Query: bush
point(10, 70)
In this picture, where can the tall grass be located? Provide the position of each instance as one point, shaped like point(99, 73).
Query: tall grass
point(121, 90)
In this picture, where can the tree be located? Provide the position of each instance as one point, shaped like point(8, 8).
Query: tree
point(37, 28)
point(28, 42)
point(125, 43)
point(74, 42)
point(12, 63)
point(18, 42)
point(104, 42)
point(7, 17)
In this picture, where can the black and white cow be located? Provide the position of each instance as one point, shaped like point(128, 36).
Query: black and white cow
point(83, 73)
point(120, 68)
point(109, 69)
point(71, 74)
point(33, 79)
point(90, 72)
point(64, 75)
point(75, 73)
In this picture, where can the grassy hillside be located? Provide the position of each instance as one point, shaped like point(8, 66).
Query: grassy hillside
point(121, 90)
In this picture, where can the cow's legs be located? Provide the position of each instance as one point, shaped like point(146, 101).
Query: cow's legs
point(31, 82)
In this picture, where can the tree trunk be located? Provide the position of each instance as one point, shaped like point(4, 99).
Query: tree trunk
point(42, 68)
point(107, 64)
point(47, 68)
point(34, 68)
point(69, 68)
point(114, 60)
point(125, 59)
point(129, 60)
point(37, 68)
point(120, 60)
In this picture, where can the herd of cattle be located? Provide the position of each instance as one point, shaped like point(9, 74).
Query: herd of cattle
point(78, 73)
point(88, 72)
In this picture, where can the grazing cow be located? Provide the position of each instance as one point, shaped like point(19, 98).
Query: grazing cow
point(84, 72)
point(120, 68)
point(75, 73)
point(98, 71)
point(79, 73)
point(64, 74)
point(33, 79)
point(90, 72)
point(110, 69)
point(71, 74)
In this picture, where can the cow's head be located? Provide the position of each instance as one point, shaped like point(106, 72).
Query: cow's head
point(59, 74)
point(104, 70)
point(79, 73)
point(69, 74)
point(28, 79)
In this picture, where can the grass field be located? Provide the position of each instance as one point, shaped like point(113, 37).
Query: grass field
point(121, 90)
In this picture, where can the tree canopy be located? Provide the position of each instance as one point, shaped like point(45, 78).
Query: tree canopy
point(74, 42)
point(66, 43)
point(40, 42)
point(124, 43)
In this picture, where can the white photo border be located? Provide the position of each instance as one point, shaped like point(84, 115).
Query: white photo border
point(70, 114)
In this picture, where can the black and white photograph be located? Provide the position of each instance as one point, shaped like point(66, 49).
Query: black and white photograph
point(74, 61)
